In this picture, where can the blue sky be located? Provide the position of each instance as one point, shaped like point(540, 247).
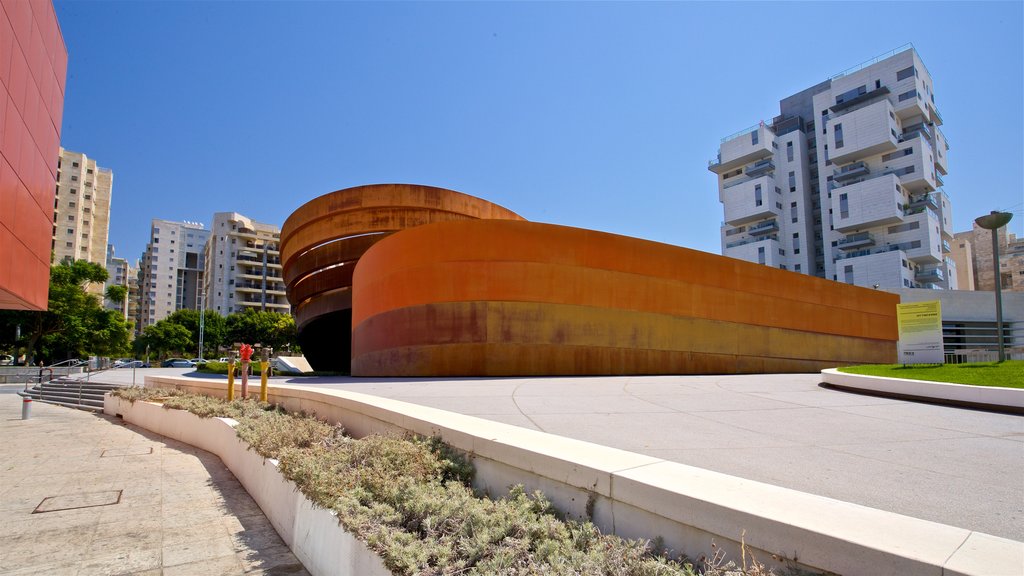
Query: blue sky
point(597, 115)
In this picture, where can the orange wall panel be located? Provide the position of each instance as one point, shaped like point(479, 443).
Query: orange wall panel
point(543, 299)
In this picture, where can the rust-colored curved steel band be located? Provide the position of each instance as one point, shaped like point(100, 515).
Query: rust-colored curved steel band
point(322, 281)
point(381, 207)
point(333, 301)
point(537, 298)
point(322, 241)
point(320, 257)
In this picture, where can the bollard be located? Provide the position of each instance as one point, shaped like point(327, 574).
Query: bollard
point(26, 408)
point(263, 380)
point(231, 380)
point(245, 380)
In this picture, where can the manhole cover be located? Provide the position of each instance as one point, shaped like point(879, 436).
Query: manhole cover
point(75, 501)
point(136, 451)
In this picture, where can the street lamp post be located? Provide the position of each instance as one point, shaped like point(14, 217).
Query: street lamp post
point(994, 221)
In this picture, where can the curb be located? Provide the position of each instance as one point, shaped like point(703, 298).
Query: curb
point(990, 398)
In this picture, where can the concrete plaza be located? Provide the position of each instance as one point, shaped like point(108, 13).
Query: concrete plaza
point(951, 465)
point(84, 494)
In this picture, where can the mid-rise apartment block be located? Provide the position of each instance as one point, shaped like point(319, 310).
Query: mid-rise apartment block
point(171, 270)
point(243, 266)
point(33, 68)
point(81, 209)
point(846, 183)
point(973, 252)
point(121, 273)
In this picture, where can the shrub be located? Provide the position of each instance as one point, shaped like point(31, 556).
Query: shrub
point(409, 499)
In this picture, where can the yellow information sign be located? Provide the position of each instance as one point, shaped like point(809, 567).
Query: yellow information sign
point(920, 326)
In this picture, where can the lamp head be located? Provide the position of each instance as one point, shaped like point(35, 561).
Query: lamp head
point(993, 221)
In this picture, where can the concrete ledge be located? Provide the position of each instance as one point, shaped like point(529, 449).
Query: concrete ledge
point(993, 398)
point(639, 496)
point(313, 534)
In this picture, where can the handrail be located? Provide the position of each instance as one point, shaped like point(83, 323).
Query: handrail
point(874, 60)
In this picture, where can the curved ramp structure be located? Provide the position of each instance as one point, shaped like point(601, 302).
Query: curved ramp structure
point(516, 298)
point(322, 241)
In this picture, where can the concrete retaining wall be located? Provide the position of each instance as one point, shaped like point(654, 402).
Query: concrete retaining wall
point(313, 534)
point(1004, 399)
point(639, 496)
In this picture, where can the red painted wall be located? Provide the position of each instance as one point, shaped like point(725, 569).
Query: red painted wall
point(33, 66)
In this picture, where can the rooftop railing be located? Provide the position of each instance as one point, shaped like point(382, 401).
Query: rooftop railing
point(874, 60)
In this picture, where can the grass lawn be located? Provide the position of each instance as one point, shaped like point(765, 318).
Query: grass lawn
point(1009, 374)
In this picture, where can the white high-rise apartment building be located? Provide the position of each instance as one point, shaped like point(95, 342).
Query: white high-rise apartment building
point(846, 183)
point(171, 270)
point(243, 266)
point(120, 273)
point(81, 209)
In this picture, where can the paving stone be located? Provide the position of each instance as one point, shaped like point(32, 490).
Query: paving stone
point(181, 511)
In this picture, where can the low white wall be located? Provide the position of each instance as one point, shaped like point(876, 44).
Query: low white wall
point(639, 496)
point(314, 535)
point(981, 395)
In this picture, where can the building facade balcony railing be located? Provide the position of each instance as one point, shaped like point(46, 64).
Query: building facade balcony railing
point(855, 241)
point(746, 241)
point(850, 172)
point(766, 227)
point(929, 275)
point(760, 168)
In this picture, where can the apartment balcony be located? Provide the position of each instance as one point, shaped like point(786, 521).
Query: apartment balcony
point(929, 275)
point(946, 248)
point(743, 147)
point(856, 241)
point(873, 202)
point(743, 203)
point(936, 117)
point(256, 288)
point(856, 100)
point(915, 131)
point(851, 171)
point(259, 259)
point(766, 227)
point(866, 131)
point(922, 201)
point(759, 168)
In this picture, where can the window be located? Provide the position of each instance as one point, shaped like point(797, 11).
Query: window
point(753, 137)
point(796, 268)
point(71, 230)
point(74, 164)
point(792, 181)
point(760, 254)
point(792, 212)
point(74, 178)
point(71, 204)
point(757, 195)
point(844, 206)
point(905, 96)
point(848, 274)
point(74, 191)
point(839, 135)
point(905, 73)
point(789, 151)
point(71, 218)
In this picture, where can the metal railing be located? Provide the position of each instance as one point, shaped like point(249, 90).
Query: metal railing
point(874, 60)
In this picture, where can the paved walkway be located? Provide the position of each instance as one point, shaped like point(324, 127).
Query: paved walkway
point(110, 498)
point(950, 465)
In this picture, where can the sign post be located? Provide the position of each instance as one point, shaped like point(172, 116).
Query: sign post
point(920, 326)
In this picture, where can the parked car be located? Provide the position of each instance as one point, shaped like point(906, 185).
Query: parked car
point(6, 360)
point(224, 360)
point(129, 363)
point(197, 361)
point(177, 363)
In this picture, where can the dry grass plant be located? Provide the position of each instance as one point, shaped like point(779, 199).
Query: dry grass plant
point(409, 499)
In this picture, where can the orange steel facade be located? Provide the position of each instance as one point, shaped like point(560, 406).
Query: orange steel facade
point(322, 241)
point(503, 297)
point(33, 65)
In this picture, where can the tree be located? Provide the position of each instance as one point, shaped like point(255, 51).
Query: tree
point(272, 329)
point(116, 294)
point(74, 323)
point(214, 327)
point(164, 339)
